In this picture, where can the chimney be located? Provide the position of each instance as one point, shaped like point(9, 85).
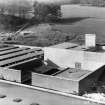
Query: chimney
point(90, 40)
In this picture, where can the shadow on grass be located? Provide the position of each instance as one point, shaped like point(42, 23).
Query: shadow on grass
point(70, 20)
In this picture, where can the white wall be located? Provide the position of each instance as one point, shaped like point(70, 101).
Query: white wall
point(62, 57)
point(9, 74)
point(67, 58)
point(90, 40)
point(55, 83)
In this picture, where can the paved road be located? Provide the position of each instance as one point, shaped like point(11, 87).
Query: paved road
point(29, 96)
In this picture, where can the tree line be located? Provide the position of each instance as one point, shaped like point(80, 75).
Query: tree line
point(41, 11)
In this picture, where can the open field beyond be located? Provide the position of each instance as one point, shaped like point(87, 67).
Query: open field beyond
point(82, 20)
point(71, 11)
point(76, 21)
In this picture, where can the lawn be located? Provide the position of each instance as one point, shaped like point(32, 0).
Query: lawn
point(73, 11)
point(85, 26)
point(76, 22)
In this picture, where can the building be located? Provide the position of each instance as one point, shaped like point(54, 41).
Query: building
point(67, 54)
point(70, 80)
point(65, 67)
point(83, 66)
point(17, 62)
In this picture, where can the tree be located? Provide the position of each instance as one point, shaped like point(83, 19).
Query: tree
point(45, 11)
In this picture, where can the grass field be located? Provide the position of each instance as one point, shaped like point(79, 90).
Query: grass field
point(71, 11)
point(82, 20)
point(77, 21)
point(86, 26)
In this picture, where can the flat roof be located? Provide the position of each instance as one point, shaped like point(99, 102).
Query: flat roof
point(19, 59)
point(73, 74)
point(65, 45)
point(92, 65)
point(73, 46)
point(68, 45)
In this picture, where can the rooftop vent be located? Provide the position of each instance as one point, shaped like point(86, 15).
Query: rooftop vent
point(77, 66)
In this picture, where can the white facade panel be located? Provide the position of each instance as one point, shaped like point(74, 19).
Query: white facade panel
point(10, 74)
point(55, 83)
point(62, 57)
point(68, 58)
point(90, 40)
